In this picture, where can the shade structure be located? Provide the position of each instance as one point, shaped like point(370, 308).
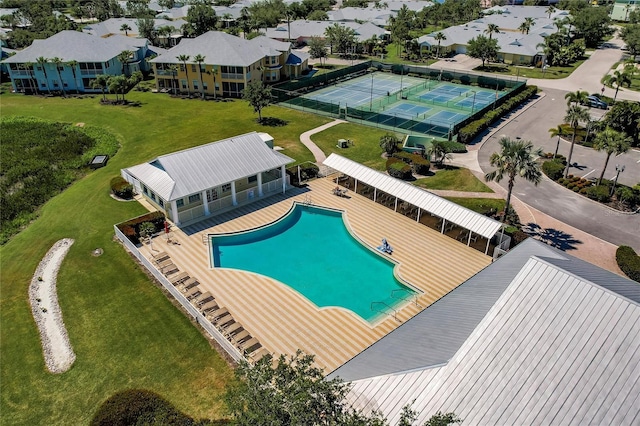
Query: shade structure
point(451, 212)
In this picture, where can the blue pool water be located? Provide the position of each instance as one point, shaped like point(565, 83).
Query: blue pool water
point(311, 251)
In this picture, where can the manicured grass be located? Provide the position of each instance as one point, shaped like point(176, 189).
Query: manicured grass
point(366, 143)
point(551, 73)
point(395, 55)
point(453, 178)
point(125, 332)
point(325, 68)
point(480, 205)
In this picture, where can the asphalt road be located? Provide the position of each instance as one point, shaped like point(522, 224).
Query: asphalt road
point(555, 200)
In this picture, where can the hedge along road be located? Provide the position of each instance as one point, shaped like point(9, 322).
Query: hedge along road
point(555, 200)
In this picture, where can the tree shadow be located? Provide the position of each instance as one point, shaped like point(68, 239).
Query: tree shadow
point(273, 122)
point(553, 237)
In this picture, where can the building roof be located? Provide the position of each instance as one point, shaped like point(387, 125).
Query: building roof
point(74, 45)
point(268, 44)
point(554, 347)
point(297, 57)
point(379, 17)
point(525, 12)
point(218, 48)
point(308, 29)
point(193, 170)
point(112, 26)
point(427, 201)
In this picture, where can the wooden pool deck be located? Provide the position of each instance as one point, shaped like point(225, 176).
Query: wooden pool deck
point(282, 319)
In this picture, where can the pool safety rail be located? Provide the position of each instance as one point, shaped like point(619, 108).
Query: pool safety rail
point(385, 309)
point(406, 295)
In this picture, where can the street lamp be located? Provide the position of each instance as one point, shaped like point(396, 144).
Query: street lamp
point(619, 169)
point(371, 97)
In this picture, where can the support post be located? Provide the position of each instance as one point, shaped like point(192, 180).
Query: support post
point(174, 212)
point(418, 219)
point(260, 193)
point(395, 206)
point(234, 198)
point(444, 222)
point(283, 174)
point(205, 203)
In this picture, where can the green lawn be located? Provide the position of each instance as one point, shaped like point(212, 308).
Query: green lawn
point(125, 332)
point(530, 72)
point(454, 178)
point(480, 205)
point(394, 55)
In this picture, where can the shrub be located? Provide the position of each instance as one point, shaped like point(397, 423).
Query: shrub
point(517, 237)
point(420, 165)
point(571, 185)
point(407, 157)
point(599, 193)
point(627, 195)
point(553, 169)
point(629, 262)
point(398, 169)
point(131, 228)
point(121, 188)
point(137, 407)
point(576, 188)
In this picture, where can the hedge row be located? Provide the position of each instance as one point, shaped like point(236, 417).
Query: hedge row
point(307, 171)
point(121, 188)
point(398, 168)
point(131, 228)
point(553, 169)
point(629, 262)
point(473, 129)
point(417, 163)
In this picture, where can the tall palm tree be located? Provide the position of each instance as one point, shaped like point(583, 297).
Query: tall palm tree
point(73, 64)
point(617, 79)
point(101, 82)
point(575, 115)
point(612, 142)
point(523, 28)
point(516, 158)
point(58, 63)
point(556, 131)
point(439, 38)
point(529, 23)
point(550, 10)
point(184, 59)
point(200, 59)
point(42, 61)
point(492, 28)
point(577, 97)
point(124, 57)
point(126, 28)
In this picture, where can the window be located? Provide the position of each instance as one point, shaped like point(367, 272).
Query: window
point(55, 83)
point(193, 67)
point(212, 194)
point(145, 190)
point(194, 198)
point(195, 85)
point(180, 202)
point(183, 83)
point(160, 202)
point(252, 179)
point(226, 187)
point(204, 85)
point(182, 67)
point(153, 196)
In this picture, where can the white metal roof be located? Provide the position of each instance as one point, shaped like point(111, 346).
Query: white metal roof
point(193, 170)
point(554, 349)
point(445, 209)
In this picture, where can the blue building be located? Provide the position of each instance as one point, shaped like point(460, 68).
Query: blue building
point(82, 58)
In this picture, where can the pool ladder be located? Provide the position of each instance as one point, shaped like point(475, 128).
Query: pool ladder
point(384, 308)
point(413, 297)
point(307, 200)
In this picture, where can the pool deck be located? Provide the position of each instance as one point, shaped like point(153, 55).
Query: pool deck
point(282, 319)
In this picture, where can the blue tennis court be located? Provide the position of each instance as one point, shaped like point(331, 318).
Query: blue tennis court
point(474, 104)
point(407, 110)
point(447, 117)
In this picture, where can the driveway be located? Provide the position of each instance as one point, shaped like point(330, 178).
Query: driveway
point(555, 200)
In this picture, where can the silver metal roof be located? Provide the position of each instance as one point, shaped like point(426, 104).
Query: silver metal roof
point(193, 170)
point(555, 348)
point(446, 209)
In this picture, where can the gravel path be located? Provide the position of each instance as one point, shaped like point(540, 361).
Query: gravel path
point(58, 354)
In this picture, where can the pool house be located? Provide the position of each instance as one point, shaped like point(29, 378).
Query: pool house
point(195, 183)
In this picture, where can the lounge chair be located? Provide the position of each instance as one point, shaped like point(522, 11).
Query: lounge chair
point(159, 257)
point(241, 336)
point(201, 298)
point(218, 313)
point(226, 320)
point(258, 354)
point(186, 285)
point(182, 276)
point(208, 305)
point(221, 316)
point(230, 329)
point(193, 291)
point(169, 270)
point(164, 263)
point(250, 345)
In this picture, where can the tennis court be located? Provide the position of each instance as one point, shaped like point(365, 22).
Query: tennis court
point(407, 110)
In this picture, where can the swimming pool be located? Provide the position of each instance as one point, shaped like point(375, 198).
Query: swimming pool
point(311, 251)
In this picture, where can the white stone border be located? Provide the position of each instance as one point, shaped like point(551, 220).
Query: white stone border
point(43, 297)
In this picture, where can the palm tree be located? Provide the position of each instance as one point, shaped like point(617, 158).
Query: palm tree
point(492, 28)
point(42, 61)
point(58, 62)
point(550, 10)
point(126, 28)
point(101, 82)
point(618, 79)
point(556, 131)
point(516, 158)
point(184, 59)
point(200, 59)
point(523, 28)
point(529, 23)
point(73, 64)
point(577, 97)
point(439, 37)
point(124, 57)
point(612, 142)
point(389, 143)
point(575, 115)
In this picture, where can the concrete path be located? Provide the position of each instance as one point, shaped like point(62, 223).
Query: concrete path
point(305, 138)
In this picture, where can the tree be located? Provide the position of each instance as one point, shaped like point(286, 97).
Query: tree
point(101, 82)
point(146, 29)
point(617, 79)
point(147, 229)
point(483, 48)
point(126, 28)
point(593, 24)
point(341, 38)
point(184, 59)
point(124, 58)
point(575, 115)
point(258, 95)
point(42, 61)
point(318, 15)
point(611, 142)
point(556, 131)
point(317, 48)
point(439, 37)
point(57, 62)
point(550, 11)
point(578, 97)
point(200, 18)
point(73, 64)
point(439, 151)
point(625, 117)
point(491, 29)
point(200, 59)
point(118, 84)
point(389, 143)
point(516, 158)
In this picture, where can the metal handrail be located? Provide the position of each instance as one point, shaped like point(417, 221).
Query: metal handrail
point(413, 296)
point(394, 315)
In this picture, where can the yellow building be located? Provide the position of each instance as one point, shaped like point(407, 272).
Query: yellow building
point(220, 64)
